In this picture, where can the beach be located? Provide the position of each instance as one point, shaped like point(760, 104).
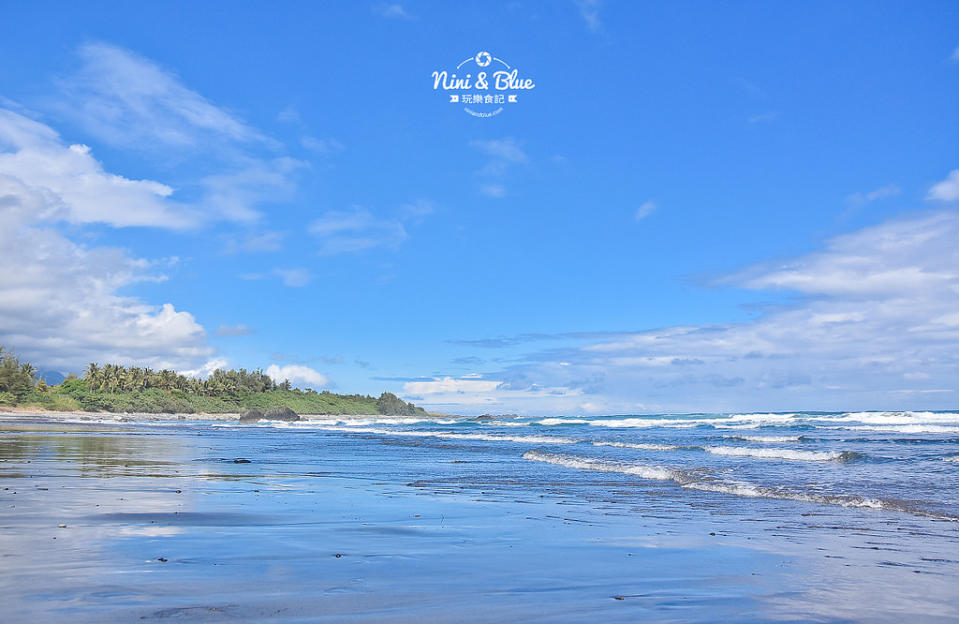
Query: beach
point(207, 520)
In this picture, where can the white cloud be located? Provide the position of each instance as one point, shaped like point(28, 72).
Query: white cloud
point(948, 189)
point(289, 115)
point(472, 393)
point(355, 230)
point(589, 11)
point(297, 374)
point(391, 10)
point(59, 305)
point(449, 385)
point(877, 328)
point(69, 184)
point(294, 278)
point(325, 146)
point(233, 194)
point(645, 210)
point(955, 56)
point(417, 209)
point(131, 101)
point(233, 330)
point(884, 192)
point(263, 242)
point(493, 190)
point(502, 154)
point(763, 117)
point(207, 369)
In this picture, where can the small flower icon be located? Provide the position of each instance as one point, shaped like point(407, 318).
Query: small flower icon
point(483, 59)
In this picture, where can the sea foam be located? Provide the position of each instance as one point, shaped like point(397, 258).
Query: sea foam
point(776, 453)
point(691, 481)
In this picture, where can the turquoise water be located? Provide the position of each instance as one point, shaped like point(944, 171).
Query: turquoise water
point(768, 517)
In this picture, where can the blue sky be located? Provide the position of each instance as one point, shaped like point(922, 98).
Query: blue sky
point(699, 207)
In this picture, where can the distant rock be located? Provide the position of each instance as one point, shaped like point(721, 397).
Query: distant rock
point(494, 416)
point(251, 415)
point(281, 413)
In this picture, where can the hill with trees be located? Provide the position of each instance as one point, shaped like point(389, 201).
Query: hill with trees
point(116, 388)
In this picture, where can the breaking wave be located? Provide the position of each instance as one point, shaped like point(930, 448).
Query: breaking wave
point(765, 439)
point(449, 435)
point(775, 453)
point(640, 445)
point(691, 481)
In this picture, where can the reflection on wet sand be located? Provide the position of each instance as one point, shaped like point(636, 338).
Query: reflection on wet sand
point(131, 523)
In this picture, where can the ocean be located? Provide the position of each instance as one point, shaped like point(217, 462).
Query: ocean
point(805, 516)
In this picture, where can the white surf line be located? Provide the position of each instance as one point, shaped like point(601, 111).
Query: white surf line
point(775, 453)
point(735, 488)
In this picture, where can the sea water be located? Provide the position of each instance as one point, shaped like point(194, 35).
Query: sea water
point(770, 517)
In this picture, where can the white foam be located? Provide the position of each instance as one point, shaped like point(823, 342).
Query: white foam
point(550, 422)
point(954, 459)
point(773, 453)
point(765, 439)
point(629, 423)
point(735, 488)
point(901, 418)
point(639, 445)
point(449, 435)
point(657, 473)
point(907, 429)
point(363, 422)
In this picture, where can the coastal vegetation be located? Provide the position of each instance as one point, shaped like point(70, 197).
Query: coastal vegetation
point(116, 388)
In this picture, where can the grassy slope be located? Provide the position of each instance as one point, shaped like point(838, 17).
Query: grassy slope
point(77, 397)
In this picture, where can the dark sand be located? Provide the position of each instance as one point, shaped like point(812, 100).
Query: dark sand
point(161, 523)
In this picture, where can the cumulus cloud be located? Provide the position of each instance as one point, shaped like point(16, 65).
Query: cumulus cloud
point(346, 231)
point(449, 384)
point(59, 305)
point(65, 182)
point(60, 302)
point(297, 374)
point(475, 393)
point(206, 369)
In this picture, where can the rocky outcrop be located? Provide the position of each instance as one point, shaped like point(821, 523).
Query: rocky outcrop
point(251, 415)
point(281, 413)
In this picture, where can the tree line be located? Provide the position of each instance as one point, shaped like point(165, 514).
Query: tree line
point(116, 378)
point(114, 387)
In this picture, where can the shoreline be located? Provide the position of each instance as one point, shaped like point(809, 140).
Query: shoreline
point(126, 417)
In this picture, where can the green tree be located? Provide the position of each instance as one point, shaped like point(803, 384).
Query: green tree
point(16, 378)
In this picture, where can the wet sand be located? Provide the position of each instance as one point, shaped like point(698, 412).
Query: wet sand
point(186, 522)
